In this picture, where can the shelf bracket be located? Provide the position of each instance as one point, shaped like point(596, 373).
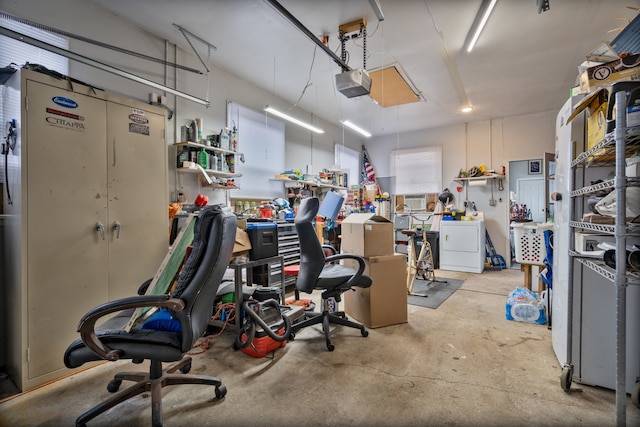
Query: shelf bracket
point(207, 65)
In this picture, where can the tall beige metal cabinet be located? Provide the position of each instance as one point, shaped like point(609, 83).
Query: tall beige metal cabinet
point(87, 219)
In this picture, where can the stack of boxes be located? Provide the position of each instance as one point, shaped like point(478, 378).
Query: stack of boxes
point(385, 302)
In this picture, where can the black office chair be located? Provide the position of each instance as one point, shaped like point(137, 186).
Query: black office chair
point(190, 305)
point(318, 272)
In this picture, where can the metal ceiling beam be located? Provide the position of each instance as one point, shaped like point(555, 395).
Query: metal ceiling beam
point(304, 30)
point(96, 64)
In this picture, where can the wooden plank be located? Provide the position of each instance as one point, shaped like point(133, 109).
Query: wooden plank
point(168, 271)
point(352, 27)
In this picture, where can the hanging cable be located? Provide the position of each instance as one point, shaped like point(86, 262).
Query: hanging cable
point(306, 86)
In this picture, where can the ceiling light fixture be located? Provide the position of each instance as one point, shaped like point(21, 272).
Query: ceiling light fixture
point(357, 128)
point(467, 109)
point(275, 112)
point(478, 24)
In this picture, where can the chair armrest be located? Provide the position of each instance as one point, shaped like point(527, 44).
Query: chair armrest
point(360, 270)
point(87, 324)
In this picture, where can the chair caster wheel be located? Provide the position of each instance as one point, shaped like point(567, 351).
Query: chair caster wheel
point(113, 386)
point(331, 347)
point(221, 391)
point(635, 395)
point(566, 378)
point(365, 333)
point(186, 368)
point(292, 336)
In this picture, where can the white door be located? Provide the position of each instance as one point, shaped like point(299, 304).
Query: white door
point(531, 194)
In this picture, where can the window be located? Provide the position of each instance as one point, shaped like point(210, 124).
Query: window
point(261, 142)
point(417, 171)
point(348, 160)
point(20, 53)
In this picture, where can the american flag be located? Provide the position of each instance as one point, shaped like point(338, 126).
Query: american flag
point(368, 169)
point(369, 173)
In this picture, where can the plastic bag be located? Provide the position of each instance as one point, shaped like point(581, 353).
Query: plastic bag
point(524, 305)
point(607, 205)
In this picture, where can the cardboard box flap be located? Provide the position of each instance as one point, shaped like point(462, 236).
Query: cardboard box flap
point(586, 102)
point(361, 218)
point(242, 242)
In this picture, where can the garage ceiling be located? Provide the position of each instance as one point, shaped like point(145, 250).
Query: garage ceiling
point(524, 62)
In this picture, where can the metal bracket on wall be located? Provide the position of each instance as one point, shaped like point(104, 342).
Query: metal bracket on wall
point(186, 33)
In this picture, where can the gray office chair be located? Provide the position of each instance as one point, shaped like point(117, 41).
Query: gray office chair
point(190, 305)
point(318, 272)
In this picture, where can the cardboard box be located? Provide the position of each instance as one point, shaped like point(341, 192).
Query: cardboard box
point(385, 302)
point(242, 244)
point(595, 106)
point(627, 69)
point(587, 243)
point(369, 193)
point(367, 235)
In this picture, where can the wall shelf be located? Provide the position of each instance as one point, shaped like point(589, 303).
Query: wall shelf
point(219, 187)
point(479, 178)
point(205, 147)
point(294, 183)
point(210, 172)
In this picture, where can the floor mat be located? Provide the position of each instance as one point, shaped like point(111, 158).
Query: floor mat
point(436, 292)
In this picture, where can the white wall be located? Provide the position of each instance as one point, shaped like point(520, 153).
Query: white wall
point(490, 142)
point(82, 18)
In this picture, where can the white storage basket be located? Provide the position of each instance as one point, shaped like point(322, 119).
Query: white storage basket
point(529, 242)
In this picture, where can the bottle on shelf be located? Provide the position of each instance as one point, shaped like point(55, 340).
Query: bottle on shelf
point(224, 138)
point(230, 161)
point(234, 139)
point(203, 158)
point(213, 159)
point(183, 156)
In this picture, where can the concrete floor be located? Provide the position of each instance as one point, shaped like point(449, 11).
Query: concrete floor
point(460, 364)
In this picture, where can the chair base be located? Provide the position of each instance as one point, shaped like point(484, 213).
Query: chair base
point(154, 381)
point(326, 318)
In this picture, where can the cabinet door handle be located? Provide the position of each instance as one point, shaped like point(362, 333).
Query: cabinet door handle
point(100, 228)
point(116, 227)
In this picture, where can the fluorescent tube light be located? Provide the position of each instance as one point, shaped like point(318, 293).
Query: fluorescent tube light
point(356, 128)
point(479, 22)
point(292, 119)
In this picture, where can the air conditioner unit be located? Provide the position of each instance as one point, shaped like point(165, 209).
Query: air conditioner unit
point(416, 203)
point(354, 83)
